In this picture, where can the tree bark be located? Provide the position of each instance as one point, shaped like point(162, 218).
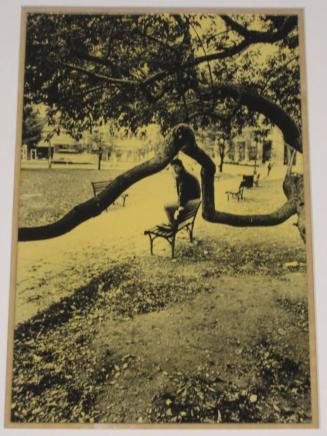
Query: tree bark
point(293, 187)
point(221, 164)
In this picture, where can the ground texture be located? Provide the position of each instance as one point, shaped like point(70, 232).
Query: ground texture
point(106, 333)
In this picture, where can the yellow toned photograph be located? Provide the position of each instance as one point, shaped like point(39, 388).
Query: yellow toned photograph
point(162, 259)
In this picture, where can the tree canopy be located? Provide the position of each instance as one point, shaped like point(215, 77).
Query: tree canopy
point(159, 68)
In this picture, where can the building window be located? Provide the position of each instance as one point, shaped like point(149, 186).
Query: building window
point(252, 151)
point(266, 151)
point(231, 151)
point(241, 150)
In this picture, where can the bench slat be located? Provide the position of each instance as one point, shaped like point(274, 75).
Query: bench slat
point(164, 230)
point(98, 187)
point(159, 232)
point(186, 216)
point(169, 233)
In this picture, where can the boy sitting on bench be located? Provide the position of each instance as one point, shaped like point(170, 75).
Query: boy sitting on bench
point(188, 191)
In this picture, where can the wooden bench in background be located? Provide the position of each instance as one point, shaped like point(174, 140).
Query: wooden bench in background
point(100, 186)
point(250, 181)
point(185, 221)
point(247, 182)
point(236, 194)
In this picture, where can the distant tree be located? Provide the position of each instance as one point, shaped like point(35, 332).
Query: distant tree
point(33, 125)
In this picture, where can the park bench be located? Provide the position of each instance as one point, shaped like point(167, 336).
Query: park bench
point(185, 221)
point(100, 186)
point(247, 182)
point(236, 194)
point(250, 181)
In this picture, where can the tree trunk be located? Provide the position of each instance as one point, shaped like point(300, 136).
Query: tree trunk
point(221, 163)
point(293, 187)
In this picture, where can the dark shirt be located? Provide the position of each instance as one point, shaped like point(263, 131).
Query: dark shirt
point(188, 187)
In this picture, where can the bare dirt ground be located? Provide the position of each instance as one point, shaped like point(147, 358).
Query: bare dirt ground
point(106, 333)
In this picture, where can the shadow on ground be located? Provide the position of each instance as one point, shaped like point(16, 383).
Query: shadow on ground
point(219, 335)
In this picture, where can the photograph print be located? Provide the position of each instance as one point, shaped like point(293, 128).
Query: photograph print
point(162, 263)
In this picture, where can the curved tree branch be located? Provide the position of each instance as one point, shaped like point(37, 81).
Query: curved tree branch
point(272, 219)
point(250, 37)
point(231, 51)
point(261, 104)
point(249, 97)
point(258, 36)
point(100, 76)
point(182, 137)
point(209, 211)
point(95, 206)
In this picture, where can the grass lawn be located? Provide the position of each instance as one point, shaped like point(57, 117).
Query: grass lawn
point(45, 195)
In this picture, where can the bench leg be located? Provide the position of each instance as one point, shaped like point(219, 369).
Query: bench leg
point(170, 240)
point(172, 243)
point(191, 234)
point(151, 244)
point(189, 229)
point(124, 199)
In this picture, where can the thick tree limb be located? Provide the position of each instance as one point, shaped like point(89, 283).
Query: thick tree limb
point(250, 37)
point(272, 219)
point(261, 104)
point(209, 211)
point(95, 206)
point(182, 137)
point(259, 36)
point(248, 97)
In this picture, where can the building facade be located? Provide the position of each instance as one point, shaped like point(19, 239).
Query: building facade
point(254, 147)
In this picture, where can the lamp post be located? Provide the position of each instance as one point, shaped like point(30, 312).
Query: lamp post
point(221, 145)
point(99, 156)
